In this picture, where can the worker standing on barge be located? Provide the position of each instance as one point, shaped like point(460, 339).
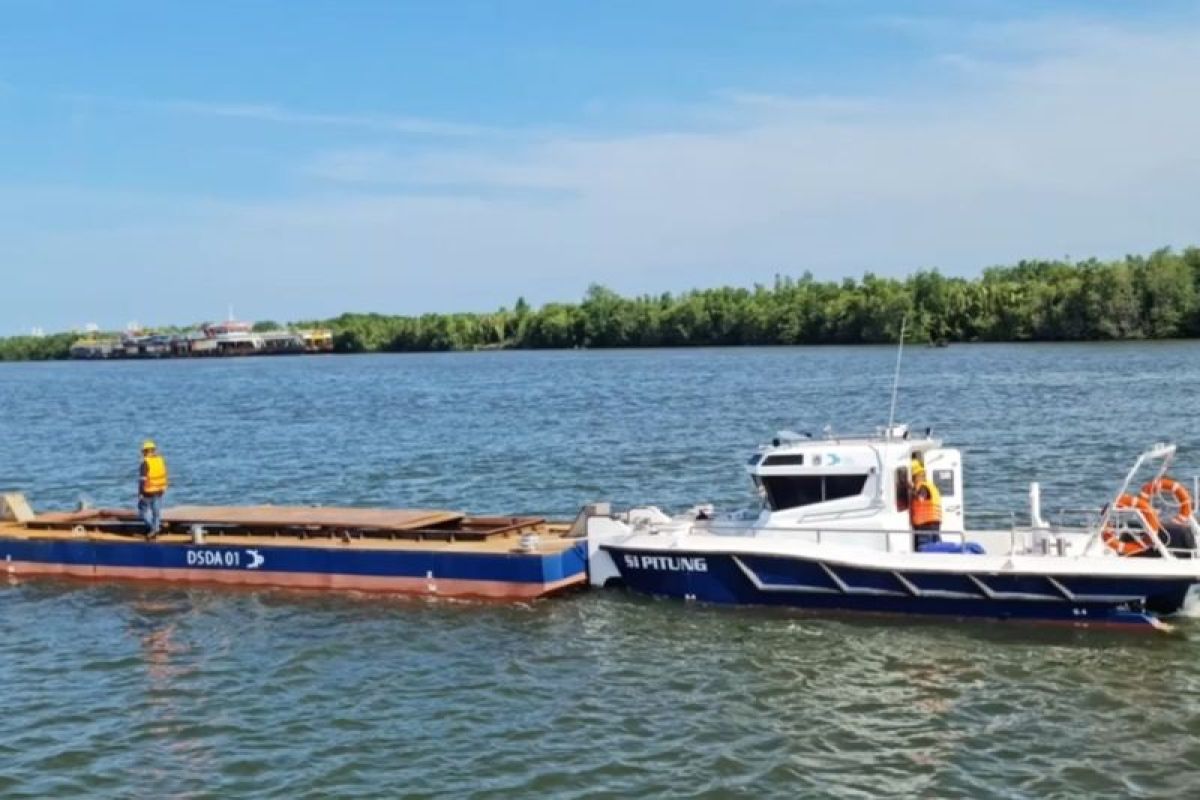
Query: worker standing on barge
point(925, 509)
point(152, 485)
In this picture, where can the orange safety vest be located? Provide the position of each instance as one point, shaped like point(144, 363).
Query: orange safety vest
point(155, 479)
point(924, 510)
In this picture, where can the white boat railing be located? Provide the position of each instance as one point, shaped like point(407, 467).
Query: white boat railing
point(832, 535)
point(1090, 515)
point(1115, 519)
point(1022, 540)
point(818, 535)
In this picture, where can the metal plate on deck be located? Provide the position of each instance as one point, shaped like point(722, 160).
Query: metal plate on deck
point(382, 519)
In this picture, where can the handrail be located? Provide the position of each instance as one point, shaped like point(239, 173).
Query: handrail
point(1159, 452)
point(822, 536)
point(709, 525)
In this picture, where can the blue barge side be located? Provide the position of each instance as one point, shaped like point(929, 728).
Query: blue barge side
point(441, 553)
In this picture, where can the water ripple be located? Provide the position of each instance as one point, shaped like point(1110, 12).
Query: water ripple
point(158, 692)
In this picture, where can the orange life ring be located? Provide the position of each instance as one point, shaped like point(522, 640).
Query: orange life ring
point(1140, 543)
point(1174, 488)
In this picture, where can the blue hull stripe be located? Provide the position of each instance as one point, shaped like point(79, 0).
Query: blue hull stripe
point(510, 567)
point(804, 583)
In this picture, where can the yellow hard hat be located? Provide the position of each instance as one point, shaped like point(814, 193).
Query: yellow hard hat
point(148, 445)
point(917, 467)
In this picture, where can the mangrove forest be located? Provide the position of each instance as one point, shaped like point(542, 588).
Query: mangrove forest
point(1137, 297)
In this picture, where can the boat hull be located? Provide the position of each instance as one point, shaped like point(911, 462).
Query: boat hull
point(493, 575)
point(758, 579)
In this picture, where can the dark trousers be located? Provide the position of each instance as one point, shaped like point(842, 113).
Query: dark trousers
point(926, 538)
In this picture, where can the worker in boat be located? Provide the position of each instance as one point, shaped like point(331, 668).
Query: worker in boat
point(152, 485)
point(925, 506)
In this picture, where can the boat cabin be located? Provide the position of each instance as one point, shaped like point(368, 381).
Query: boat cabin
point(852, 483)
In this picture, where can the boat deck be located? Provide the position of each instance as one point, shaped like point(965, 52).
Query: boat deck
point(364, 528)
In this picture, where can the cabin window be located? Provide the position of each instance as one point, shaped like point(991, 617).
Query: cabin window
point(785, 461)
point(943, 479)
point(902, 489)
point(794, 491)
point(839, 486)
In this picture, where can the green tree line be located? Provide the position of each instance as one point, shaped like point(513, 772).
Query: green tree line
point(1138, 297)
point(36, 348)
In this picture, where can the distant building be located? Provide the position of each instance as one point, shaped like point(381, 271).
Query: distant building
point(91, 347)
point(228, 338)
point(317, 340)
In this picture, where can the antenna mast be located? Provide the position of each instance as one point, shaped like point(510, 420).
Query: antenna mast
point(896, 377)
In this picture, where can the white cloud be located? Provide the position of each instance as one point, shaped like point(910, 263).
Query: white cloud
point(282, 115)
point(1087, 147)
point(279, 114)
point(1090, 148)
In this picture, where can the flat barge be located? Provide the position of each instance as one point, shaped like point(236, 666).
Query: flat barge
point(398, 551)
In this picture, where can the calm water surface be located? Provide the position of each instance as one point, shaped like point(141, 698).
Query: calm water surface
point(118, 690)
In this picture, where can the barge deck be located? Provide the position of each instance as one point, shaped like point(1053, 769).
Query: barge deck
point(402, 551)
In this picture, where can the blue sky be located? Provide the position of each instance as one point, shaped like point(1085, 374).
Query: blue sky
point(159, 161)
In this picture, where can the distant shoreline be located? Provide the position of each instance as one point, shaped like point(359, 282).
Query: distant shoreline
point(1138, 298)
point(908, 344)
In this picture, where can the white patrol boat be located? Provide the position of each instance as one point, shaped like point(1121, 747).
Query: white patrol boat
point(834, 534)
